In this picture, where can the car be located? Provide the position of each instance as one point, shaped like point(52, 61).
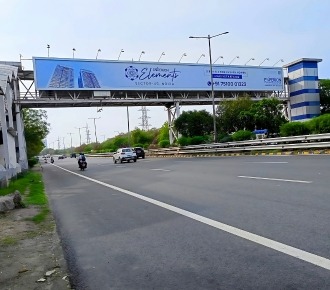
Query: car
point(73, 155)
point(139, 152)
point(124, 154)
point(61, 157)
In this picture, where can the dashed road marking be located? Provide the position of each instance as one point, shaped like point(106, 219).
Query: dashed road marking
point(275, 179)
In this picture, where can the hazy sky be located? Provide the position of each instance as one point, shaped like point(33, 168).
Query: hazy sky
point(275, 29)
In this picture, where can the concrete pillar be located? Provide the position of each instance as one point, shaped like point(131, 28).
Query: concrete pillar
point(304, 94)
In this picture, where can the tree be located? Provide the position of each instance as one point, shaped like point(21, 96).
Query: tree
point(268, 114)
point(324, 86)
point(235, 115)
point(35, 130)
point(194, 123)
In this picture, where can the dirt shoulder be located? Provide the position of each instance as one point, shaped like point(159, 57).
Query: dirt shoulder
point(29, 250)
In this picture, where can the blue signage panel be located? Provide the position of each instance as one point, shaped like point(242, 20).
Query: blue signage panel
point(79, 74)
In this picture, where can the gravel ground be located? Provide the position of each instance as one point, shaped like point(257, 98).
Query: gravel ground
point(30, 252)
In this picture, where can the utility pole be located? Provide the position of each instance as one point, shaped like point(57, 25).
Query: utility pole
point(95, 127)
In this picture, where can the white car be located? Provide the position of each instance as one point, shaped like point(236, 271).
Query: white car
point(124, 154)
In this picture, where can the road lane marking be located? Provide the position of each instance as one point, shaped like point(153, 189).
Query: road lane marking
point(269, 162)
point(160, 169)
point(276, 179)
point(277, 246)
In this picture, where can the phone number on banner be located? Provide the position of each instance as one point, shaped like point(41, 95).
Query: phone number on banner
point(230, 84)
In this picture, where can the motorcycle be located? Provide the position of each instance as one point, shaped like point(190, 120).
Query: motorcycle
point(52, 160)
point(82, 165)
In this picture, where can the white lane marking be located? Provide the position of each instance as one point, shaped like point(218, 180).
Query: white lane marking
point(277, 246)
point(120, 166)
point(160, 169)
point(270, 162)
point(276, 179)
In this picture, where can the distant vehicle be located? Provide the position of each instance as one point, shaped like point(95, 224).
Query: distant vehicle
point(124, 154)
point(61, 157)
point(73, 155)
point(139, 152)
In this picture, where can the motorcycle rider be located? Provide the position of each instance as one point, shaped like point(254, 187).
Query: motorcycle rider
point(81, 158)
point(52, 159)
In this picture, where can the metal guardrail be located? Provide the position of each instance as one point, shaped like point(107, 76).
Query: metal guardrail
point(316, 141)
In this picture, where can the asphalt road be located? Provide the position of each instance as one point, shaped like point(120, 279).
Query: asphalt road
point(194, 223)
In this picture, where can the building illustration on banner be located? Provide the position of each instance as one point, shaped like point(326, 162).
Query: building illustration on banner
point(63, 77)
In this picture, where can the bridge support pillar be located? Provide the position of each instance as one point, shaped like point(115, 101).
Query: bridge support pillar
point(304, 98)
point(173, 112)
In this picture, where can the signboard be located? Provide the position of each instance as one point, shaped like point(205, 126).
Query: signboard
point(79, 74)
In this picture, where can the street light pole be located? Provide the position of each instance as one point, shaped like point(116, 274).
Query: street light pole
point(73, 50)
point(97, 54)
point(163, 53)
point(79, 133)
point(202, 55)
point(249, 60)
point(263, 61)
point(120, 53)
point(212, 88)
point(95, 127)
point(48, 47)
point(71, 138)
point(184, 54)
point(280, 60)
point(142, 52)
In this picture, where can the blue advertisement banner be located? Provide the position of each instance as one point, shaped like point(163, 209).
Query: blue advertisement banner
point(82, 74)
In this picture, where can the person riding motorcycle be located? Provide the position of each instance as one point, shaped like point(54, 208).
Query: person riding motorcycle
point(81, 158)
point(52, 159)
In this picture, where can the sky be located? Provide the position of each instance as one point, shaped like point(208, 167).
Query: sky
point(259, 29)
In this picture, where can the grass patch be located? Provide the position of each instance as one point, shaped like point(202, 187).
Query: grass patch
point(32, 189)
point(8, 241)
point(41, 217)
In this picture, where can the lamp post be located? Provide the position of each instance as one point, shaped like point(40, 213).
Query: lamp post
point(202, 55)
point(48, 47)
point(73, 50)
point(182, 56)
point(142, 52)
point(79, 128)
point(97, 54)
point(163, 53)
point(280, 60)
point(71, 138)
point(120, 52)
point(217, 59)
point(212, 88)
point(95, 127)
point(263, 61)
point(233, 60)
point(249, 60)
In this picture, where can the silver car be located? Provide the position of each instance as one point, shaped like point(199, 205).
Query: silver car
point(124, 154)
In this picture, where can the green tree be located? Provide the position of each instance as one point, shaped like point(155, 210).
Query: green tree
point(235, 115)
point(194, 123)
point(163, 133)
point(324, 86)
point(35, 130)
point(268, 114)
point(141, 137)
